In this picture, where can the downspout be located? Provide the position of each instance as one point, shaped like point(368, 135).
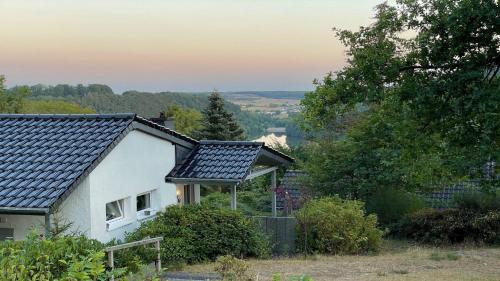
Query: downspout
point(47, 225)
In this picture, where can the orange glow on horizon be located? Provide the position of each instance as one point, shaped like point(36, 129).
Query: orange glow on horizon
point(163, 45)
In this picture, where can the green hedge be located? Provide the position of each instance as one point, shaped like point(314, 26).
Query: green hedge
point(441, 227)
point(334, 226)
point(60, 258)
point(391, 205)
point(196, 233)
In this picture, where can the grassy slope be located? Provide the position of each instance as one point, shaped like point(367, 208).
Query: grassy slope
point(398, 261)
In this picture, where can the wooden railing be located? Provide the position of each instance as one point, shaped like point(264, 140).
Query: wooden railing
point(112, 249)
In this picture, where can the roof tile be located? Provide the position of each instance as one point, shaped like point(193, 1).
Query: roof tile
point(41, 152)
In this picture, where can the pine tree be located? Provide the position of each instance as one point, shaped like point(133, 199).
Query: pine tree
point(218, 123)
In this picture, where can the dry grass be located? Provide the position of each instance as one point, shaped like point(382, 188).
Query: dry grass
point(397, 261)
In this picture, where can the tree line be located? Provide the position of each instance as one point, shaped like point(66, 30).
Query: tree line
point(101, 99)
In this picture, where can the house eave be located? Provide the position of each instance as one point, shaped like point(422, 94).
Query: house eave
point(202, 181)
point(23, 211)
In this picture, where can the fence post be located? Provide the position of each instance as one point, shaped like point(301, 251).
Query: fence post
point(158, 257)
point(111, 263)
point(273, 188)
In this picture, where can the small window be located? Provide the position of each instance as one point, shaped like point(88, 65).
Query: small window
point(143, 202)
point(114, 210)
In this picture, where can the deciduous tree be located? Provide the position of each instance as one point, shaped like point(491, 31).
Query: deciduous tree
point(425, 74)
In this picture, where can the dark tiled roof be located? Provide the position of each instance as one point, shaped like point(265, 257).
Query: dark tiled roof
point(164, 129)
point(448, 193)
point(222, 160)
point(43, 156)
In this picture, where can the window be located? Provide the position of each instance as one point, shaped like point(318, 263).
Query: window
point(114, 210)
point(143, 201)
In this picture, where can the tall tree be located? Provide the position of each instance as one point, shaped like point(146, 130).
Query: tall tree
point(426, 74)
point(218, 123)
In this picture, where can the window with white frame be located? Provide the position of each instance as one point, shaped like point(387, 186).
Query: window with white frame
point(114, 210)
point(143, 201)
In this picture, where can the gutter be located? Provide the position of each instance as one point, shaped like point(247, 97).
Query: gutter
point(24, 211)
point(194, 180)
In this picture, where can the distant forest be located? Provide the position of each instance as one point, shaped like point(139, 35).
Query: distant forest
point(104, 100)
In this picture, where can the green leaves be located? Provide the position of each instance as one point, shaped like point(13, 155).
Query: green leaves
point(12, 102)
point(197, 233)
point(187, 121)
point(423, 88)
point(60, 258)
point(334, 226)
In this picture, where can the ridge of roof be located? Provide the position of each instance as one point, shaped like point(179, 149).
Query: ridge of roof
point(131, 116)
point(257, 143)
point(70, 116)
point(253, 143)
point(157, 126)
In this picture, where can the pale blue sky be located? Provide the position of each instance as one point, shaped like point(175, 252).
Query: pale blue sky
point(188, 45)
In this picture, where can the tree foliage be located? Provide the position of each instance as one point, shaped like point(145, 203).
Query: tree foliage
point(11, 102)
point(423, 82)
point(187, 120)
point(102, 99)
point(218, 123)
point(54, 107)
point(17, 100)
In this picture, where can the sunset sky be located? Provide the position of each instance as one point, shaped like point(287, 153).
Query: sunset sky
point(188, 45)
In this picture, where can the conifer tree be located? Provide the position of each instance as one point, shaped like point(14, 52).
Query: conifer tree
point(218, 123)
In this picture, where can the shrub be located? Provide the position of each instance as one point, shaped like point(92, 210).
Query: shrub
point(478, 200)
point(250, 203)
point(335, 226)
point(60, 258)
point(232, 269)
point(195, 233)
point(391, 205)
point(441, 227)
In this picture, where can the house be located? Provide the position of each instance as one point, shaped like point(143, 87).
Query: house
point(108, 173)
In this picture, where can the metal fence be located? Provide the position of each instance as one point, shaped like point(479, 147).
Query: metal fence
point(281, 231)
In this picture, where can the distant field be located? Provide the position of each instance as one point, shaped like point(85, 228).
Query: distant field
point(265, 101)
point(398, 261)
point(270, 94)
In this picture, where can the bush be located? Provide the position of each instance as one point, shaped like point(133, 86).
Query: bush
point(441, 227)
point(390, 205)
point(335, 226)
point(250, 203)
point(196, 233)
point(233, 269)
point(478, 200)
point(60, 258)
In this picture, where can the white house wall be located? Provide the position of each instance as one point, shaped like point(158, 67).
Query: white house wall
point(75, 209)
point(22, 224)
point(136, 165)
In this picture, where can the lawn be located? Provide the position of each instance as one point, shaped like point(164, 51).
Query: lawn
point(397, 261)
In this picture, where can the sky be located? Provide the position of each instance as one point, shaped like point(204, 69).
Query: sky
point(167, 45)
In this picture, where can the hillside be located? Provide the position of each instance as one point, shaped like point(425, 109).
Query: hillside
point(104, 100)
